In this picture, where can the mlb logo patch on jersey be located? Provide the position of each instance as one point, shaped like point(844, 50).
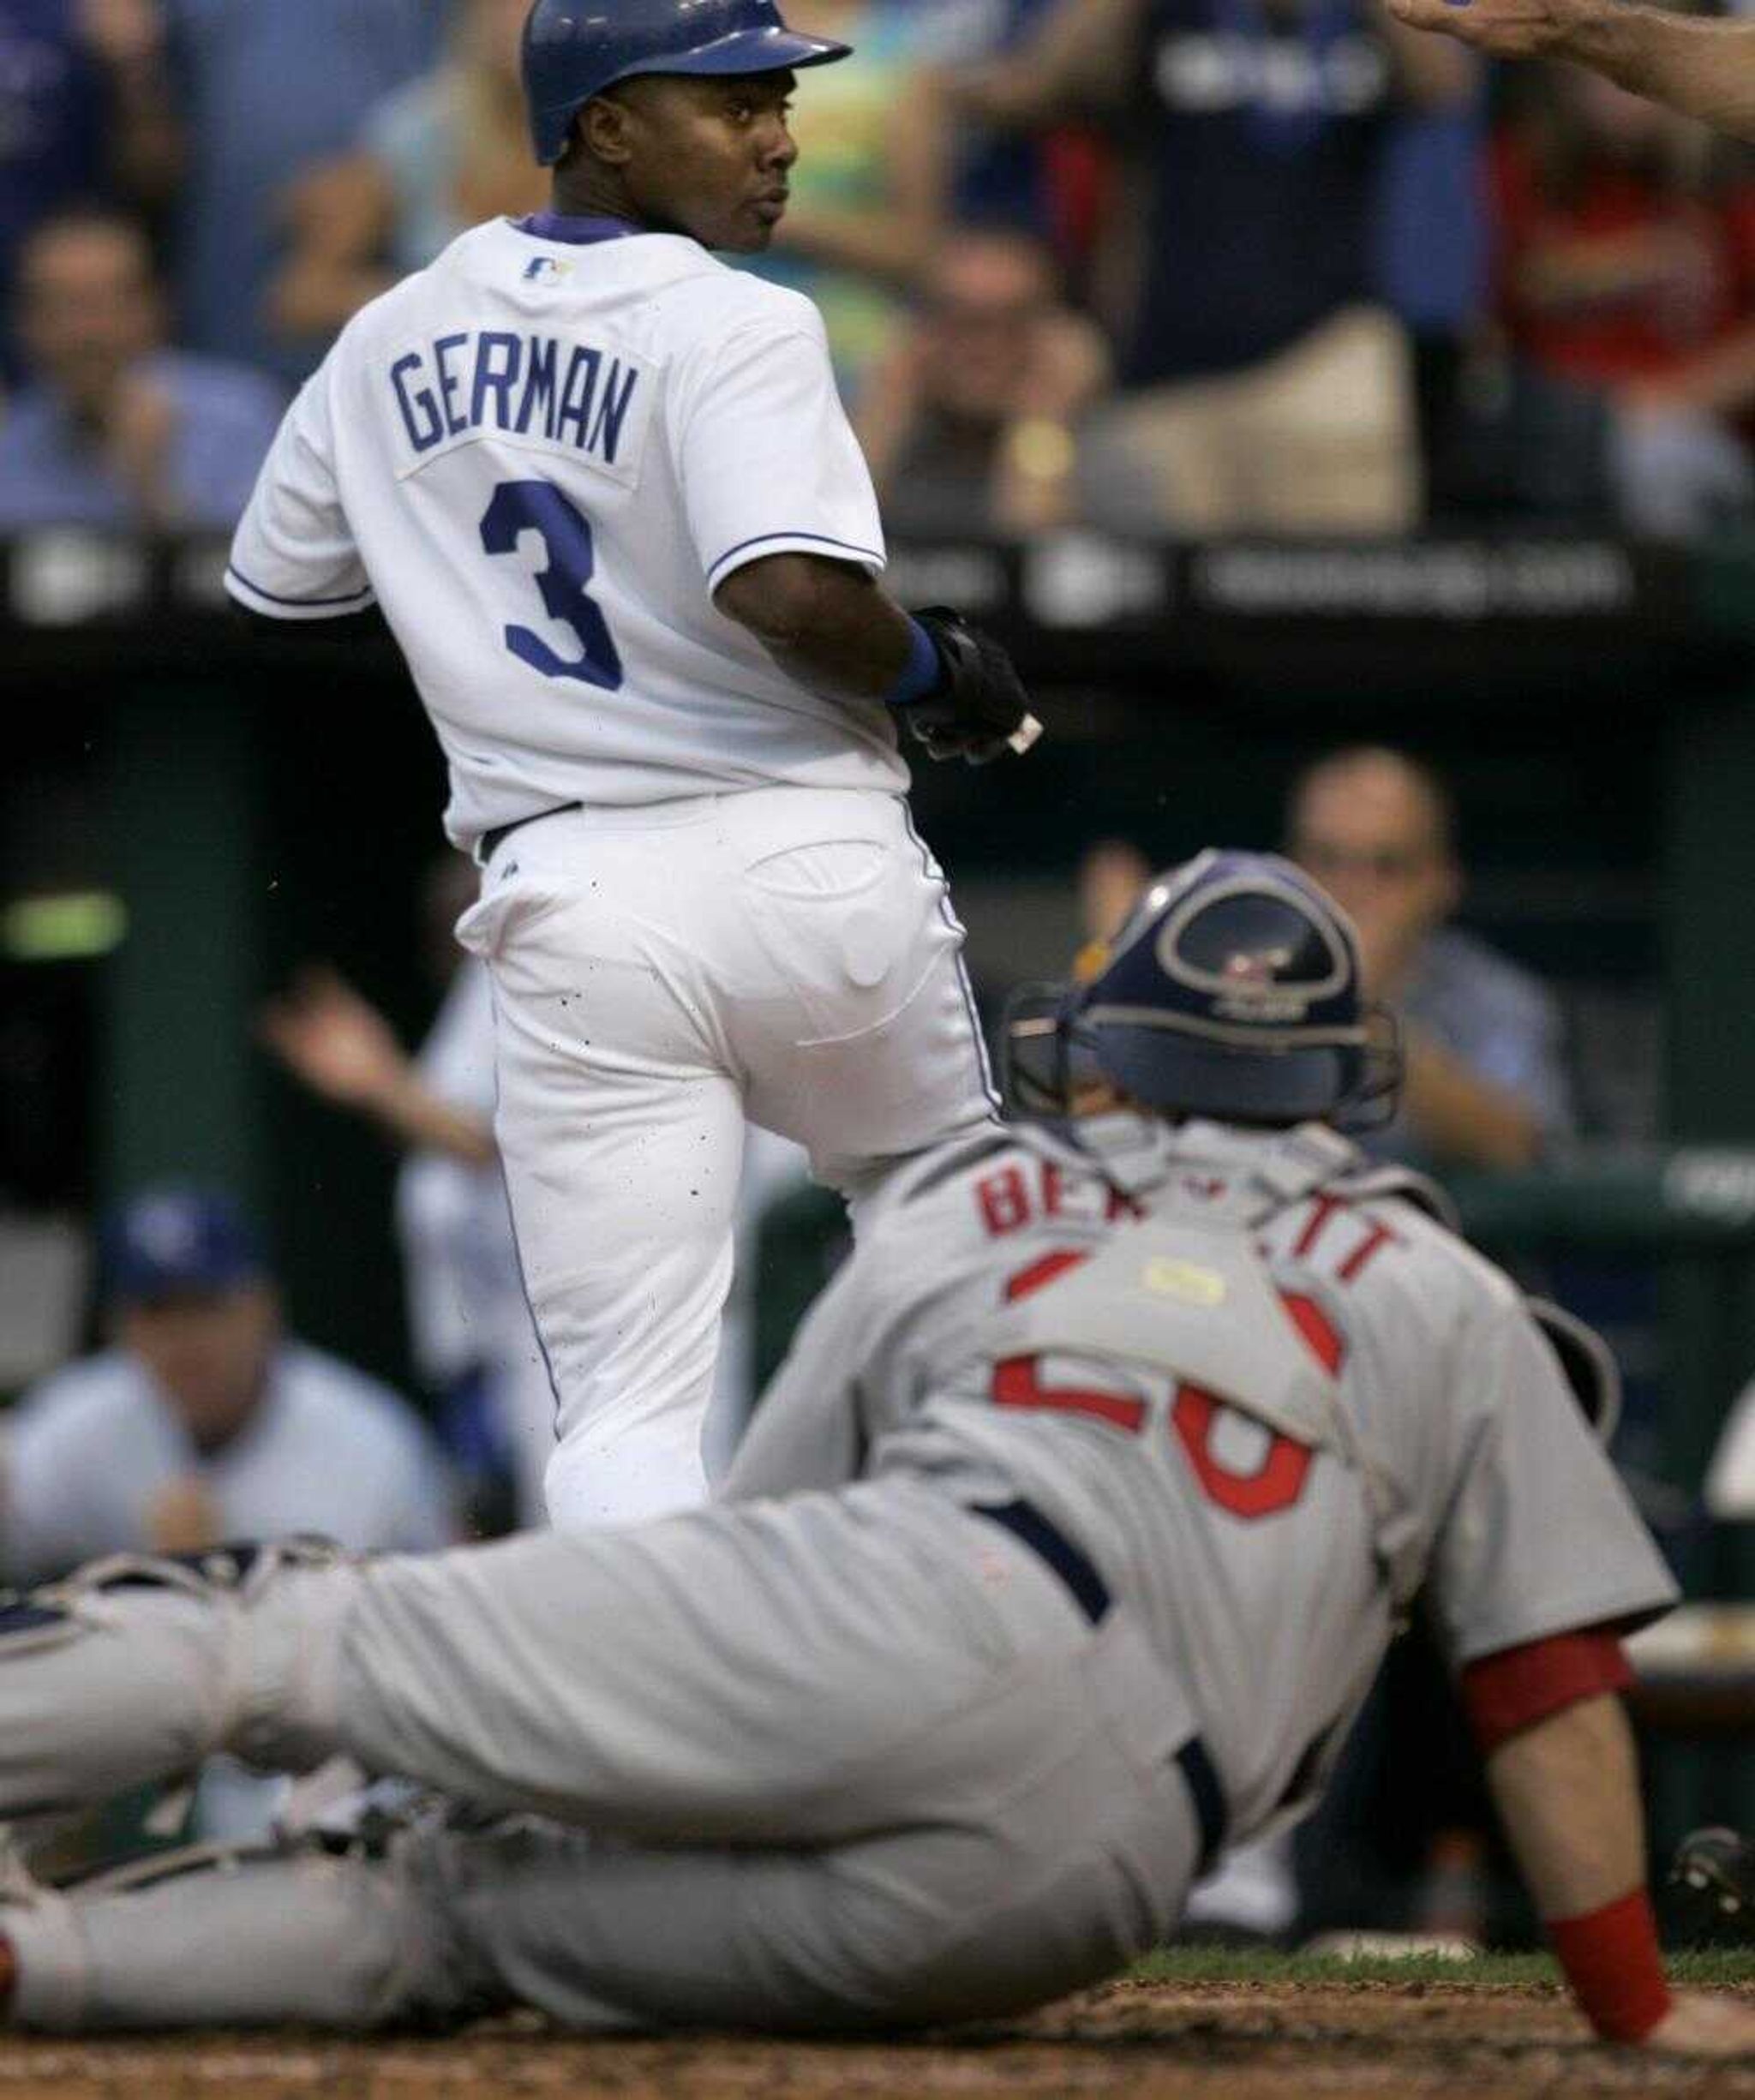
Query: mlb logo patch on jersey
point(547, 270)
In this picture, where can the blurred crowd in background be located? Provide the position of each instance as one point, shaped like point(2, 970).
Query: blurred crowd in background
point(1165, 266)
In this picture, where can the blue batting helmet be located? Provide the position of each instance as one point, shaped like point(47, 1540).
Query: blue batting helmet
point(574, 49)
point(1232, 991)
point(167, 1242)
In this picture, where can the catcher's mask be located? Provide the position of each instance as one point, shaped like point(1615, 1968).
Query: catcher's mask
point(1232, 991)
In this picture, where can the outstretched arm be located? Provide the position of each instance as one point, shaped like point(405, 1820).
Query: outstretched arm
point(344, 1049)
point(1077, 61)
point(1703, 69)
point(144, 126)
point(1568, 1791)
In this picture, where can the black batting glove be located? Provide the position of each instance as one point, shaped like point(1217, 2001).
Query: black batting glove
point(979, 704)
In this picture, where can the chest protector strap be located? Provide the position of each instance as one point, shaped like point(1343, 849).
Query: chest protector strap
point(1195, 1302)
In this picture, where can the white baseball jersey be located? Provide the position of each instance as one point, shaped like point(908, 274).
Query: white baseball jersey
point(541, 457)
point(1439, 1447)
point(329, 1450)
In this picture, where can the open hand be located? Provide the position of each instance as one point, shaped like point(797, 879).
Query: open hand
point(1504, 28)
point(123, 32)
point(182, 1518)
point(329, 1036)
point(1699, 2024)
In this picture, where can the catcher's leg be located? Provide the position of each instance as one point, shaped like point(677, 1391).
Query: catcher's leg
point(1058, 1883)
point(1062, 1886)
point(300, 1937)
point(801, 1672)
point(137, 1669)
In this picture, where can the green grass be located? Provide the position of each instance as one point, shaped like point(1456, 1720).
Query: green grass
point(1709, 1971)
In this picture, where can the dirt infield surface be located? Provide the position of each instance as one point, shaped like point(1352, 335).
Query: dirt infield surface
point(1140, 2040)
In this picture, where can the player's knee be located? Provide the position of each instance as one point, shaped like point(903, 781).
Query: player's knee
point(135, 1669)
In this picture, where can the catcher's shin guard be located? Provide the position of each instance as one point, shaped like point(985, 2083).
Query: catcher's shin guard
point(216, 1936)
point(135, 1669)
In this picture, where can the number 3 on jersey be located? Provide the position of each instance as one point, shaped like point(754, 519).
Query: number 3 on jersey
point(540, 507)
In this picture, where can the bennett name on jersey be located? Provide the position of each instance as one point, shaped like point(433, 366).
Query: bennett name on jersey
point(526, 386)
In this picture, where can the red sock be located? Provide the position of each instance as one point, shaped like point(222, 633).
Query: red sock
point(1611, 1961)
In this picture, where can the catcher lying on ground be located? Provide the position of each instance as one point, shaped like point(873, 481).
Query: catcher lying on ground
point(1062, 1553)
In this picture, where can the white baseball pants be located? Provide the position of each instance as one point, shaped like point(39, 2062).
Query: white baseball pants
point(660, 973)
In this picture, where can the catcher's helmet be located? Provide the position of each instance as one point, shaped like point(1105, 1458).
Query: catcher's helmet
point(574, 49)
point(1232, 991)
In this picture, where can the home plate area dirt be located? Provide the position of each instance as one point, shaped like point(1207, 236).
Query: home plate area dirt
point(1256, 2041)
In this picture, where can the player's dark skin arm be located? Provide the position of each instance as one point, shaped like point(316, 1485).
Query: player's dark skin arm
point(826, 624)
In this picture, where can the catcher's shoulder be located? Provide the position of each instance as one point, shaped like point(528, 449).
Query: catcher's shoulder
point(997, 1197)
point(940, 1184)
point(1405, 1260)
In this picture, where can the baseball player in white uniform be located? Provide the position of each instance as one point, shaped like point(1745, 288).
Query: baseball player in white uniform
point(603, 490)
point(469, 1321)
point(1064, 1549)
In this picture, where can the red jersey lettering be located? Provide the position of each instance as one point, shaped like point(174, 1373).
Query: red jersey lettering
point(1004, 1198)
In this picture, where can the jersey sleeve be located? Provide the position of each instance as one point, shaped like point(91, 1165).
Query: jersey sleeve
point(765, 458)
point(1538, 1535)
point(294, 556)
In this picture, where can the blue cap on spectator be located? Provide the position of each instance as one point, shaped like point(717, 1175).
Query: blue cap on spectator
point(166, 1241)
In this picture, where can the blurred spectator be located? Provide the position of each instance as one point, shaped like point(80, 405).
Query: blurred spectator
point(85, 109)
point(870, 192)
point(1001, 178)
point(112, 429)
point(1627, 267)
point(968, 421)
point(203, 1423)
point(1265, 388)
point(1111, 879)
point(267, 92)
point(474, 1343)
point(1484, 1085)
point(1432, 260)
point(446, 152)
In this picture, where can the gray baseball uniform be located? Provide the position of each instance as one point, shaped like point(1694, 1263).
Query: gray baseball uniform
point(1066, 1545)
